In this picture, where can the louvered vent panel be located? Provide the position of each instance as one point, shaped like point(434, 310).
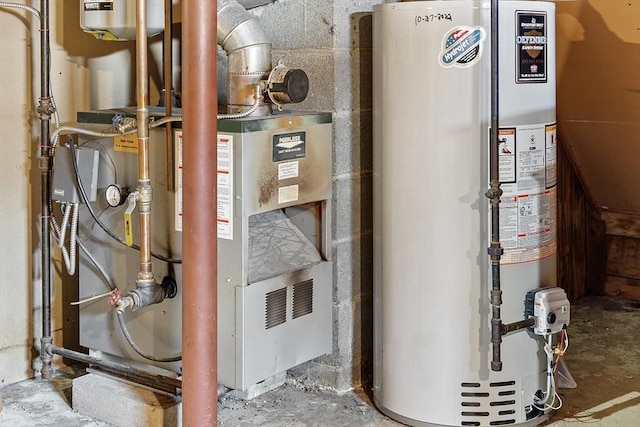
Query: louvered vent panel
point(275, 308)
point(499, 399)
point(302, 298)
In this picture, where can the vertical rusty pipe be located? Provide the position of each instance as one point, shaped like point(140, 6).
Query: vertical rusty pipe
point(142, 116)
point(168, 86)
point(199, 235)
point(495, 249)
point(45, 109)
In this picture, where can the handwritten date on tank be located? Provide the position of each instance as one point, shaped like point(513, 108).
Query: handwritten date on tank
point(420, 19)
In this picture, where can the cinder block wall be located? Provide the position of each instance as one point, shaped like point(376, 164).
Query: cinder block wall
point(331, 40)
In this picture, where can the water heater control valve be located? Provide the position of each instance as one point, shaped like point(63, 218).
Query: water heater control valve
point(551, 311)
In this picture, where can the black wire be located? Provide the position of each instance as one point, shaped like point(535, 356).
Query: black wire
point(137, 349)
point(85, 199)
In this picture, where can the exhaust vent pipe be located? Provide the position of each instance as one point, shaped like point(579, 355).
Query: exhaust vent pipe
point(248, 52)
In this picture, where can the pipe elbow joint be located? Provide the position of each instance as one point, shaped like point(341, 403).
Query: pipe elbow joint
point(148, 292)
point(46, 348)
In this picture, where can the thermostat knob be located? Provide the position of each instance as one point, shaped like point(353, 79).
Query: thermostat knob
point(551, 318)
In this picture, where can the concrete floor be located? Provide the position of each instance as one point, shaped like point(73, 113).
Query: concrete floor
point(603, 357)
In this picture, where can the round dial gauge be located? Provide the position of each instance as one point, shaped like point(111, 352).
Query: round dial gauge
point(114, 195)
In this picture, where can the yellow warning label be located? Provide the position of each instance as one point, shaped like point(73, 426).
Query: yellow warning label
point(125, 143)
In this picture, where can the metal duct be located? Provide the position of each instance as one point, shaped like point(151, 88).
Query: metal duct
point(249, 55)
point(250, 4)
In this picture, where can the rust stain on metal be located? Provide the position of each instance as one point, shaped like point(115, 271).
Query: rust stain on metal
point(290, 122)
point(267, 185)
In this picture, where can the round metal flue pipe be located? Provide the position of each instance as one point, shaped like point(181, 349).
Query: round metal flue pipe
point(248, 50)
point(199, 232)
point(250, 4)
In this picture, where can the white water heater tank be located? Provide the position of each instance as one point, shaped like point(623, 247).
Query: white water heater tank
point(116, 19)
point(432, 275)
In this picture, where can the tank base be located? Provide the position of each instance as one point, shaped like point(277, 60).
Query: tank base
point(416, 423)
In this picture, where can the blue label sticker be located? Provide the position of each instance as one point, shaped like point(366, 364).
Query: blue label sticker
point(462, 46)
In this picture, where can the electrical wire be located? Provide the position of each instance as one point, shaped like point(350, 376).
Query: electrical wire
point(123, 326)
point(85, 199)
point(247, 113)
point(551, 396)
point(21, 6)
point(250, 111)
point(69, 210)
point(164, 120)
point(111, 132)
point(138, 350)
point(108, 281)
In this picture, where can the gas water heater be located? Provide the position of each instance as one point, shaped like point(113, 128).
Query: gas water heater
point(432, 278)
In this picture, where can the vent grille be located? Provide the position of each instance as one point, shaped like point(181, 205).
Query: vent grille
point(490, 403)
point(275, 308)
point(302, 298)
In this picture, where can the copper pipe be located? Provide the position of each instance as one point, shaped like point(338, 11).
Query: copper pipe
point(142, 116)
point(199, 236)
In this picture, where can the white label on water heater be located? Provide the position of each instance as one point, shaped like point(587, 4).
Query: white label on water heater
point(527, 156)
point(224, 188)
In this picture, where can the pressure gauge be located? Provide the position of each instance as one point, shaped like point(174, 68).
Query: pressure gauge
point(115, 195)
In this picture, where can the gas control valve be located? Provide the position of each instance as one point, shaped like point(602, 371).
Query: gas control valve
point(550, 307)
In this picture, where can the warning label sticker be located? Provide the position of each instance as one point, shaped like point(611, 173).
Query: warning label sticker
point(551, 156)
point(507, 155)
point(125, 143)
point(224, 188)
point(528, 204)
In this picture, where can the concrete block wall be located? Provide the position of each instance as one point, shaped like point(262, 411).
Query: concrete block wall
point(331, 40)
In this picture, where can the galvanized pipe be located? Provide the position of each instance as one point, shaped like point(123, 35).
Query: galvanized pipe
point(142, 117)
point(495, 250)
point(162, 382)
point(199, 235)
point(168, 87)
point(516, 326)
point(45, 109)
